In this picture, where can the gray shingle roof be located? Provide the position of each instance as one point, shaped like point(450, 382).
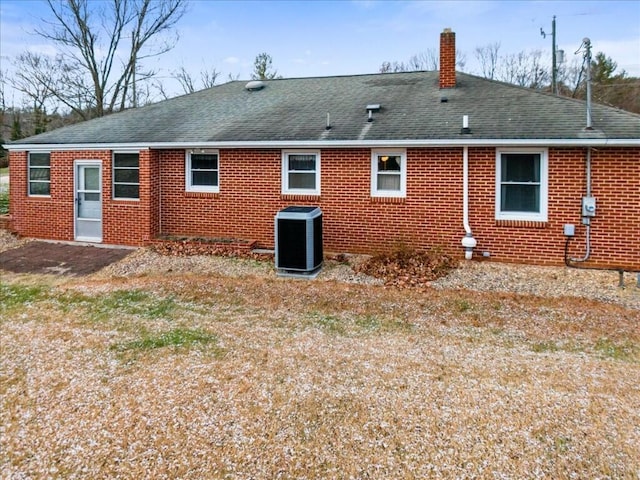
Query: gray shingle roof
point(296, 110)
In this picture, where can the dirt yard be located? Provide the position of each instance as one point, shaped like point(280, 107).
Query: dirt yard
point(196, 376)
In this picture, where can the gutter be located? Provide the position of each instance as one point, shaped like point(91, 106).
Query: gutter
point(574, 142)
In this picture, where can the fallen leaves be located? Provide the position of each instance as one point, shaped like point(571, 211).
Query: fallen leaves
point(405, 268)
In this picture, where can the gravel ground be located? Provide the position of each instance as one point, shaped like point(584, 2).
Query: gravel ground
point(479, 276)
point(107, 375)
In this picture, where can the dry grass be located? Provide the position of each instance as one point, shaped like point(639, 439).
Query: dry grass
point(193, 376)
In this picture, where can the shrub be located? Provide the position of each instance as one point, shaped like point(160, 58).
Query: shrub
point(4, 202)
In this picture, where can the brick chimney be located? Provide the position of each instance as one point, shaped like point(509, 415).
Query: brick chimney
point(447, 59)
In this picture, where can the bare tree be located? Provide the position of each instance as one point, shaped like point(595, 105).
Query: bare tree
point(3, 82)
point(524, 69)
point(427, 60)
point(393, 67)
point(92, 76)
point(488, 57)
point(34, 77)
point(569, 77)
point(189, 84)
point(209, 77)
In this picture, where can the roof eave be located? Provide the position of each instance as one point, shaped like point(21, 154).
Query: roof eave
point(461, 142)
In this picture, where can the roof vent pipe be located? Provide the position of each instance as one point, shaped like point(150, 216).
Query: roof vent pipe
point(372, 107)
point(465, 125)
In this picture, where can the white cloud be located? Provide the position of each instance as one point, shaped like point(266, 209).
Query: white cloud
point(231, 60)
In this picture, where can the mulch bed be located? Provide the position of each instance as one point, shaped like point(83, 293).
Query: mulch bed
point(61, 259)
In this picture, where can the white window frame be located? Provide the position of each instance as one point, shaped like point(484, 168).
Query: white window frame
point(285, 173)
point(375, 191)
point(113, 174)
point(542, 215)
point(29, 181)
point(189, 187)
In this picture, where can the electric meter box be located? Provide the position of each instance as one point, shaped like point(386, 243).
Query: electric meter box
point(588, 206)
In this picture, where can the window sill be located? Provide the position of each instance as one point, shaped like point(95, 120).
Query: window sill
point(307, 197)
point(390, 200)
point(202, 194)
point(522, 224)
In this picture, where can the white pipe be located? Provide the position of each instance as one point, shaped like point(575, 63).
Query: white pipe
point(468, 242)
point(465, 190)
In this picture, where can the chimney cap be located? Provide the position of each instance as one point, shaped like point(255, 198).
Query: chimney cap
point(447, 30)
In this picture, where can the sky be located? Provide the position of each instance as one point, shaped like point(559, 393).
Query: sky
point(344, 37)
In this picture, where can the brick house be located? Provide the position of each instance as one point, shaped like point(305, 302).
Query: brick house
point(421, 159)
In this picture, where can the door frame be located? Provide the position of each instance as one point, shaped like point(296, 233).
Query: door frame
point(76, 181)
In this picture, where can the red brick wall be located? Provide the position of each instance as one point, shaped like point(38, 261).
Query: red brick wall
point(47, 217)
point(431, 215)
point(615, 181)
point(132, 222)
point(250, 197)
point(447, 59)
point(615, 231)
point(124, 222)
point(250, 189)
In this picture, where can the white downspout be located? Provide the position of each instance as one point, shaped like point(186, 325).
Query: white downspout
point(468, 242)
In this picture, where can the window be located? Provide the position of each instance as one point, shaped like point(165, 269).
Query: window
point(388, 173)
point(521, 185)
point(301, 172)
point(126, 176)
point(202, 171)
point(39, 174)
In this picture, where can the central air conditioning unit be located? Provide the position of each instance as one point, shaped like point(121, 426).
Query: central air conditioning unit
point(298, 239)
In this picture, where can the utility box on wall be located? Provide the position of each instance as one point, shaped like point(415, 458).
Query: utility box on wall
point(588, 206)
point(298, 241)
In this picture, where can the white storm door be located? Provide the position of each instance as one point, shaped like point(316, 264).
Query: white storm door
point(88, 196)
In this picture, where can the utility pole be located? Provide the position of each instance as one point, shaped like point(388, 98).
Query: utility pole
point(587, 58)
point(554, 54)
point(554, 69)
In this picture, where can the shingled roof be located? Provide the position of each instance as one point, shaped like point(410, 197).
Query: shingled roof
point(413, 109)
